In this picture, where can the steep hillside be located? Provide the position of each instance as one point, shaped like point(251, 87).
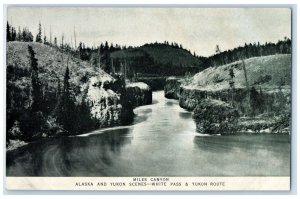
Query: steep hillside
point(100, 99)
point(52, 64)
point(268, 77)
point(266, 72)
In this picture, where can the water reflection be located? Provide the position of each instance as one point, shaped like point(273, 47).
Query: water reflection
point(70, 156)
point(212, 144)
point(162, 141)
point(185, 115)
point(250, 155)
point(154, 101)
point(170, 103)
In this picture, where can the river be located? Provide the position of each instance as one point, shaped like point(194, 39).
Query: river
point(161, 142)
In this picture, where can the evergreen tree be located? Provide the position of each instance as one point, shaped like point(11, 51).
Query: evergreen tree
point(32, 120)
point(80, 50)
point(13, 34)
point(8, 34)
point(19, 35)
point(24, 34)
point(27, 35)
point(106, 58)
point(39, 35)
point(55, 41)
point(84, 114)
point(67, 109)
point(231, 83)
point(36, 85)
point(218, 49)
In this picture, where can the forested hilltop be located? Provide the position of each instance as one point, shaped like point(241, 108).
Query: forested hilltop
point(248, 51)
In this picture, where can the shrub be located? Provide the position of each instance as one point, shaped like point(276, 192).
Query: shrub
point(15, 132)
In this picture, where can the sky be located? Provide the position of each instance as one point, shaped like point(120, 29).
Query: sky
point(197, 29)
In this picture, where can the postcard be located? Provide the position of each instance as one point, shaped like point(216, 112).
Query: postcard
point(148, 98)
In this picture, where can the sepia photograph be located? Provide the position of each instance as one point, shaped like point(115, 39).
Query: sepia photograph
point(148, 98)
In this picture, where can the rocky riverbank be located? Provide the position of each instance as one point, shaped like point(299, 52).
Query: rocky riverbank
point(264, 107)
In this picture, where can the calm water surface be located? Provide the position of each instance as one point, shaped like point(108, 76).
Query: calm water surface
point(161, 142)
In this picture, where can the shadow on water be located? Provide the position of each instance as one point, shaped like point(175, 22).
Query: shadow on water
point(154, 101)
point(170, 103)
point(248, 141)
point(185, 115)
point(142, 116)
point(212, 143)
point(69, 156)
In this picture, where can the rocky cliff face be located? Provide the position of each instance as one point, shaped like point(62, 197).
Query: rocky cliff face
point(248, 103)
point(156, 83)
point(172, 88)
point(139, 94)
point(105, 105)
point(215, 117)
point(112, 102)
point(263, 112)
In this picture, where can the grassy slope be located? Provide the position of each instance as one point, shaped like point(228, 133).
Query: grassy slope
point(51, 64)
point(267, 72)
point(161, 54)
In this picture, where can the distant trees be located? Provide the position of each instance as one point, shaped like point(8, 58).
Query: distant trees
point(247, 51)
point(217, 49)
point(26, 36)
point(106, 57)
point(12, 35)
point(8, 34)
point(98, 57)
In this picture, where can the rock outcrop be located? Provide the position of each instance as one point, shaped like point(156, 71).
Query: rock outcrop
point(105, 104)
point(139, 94)
point(172, 88)
point(248, 103)
point(215, 117)
point(112, 103)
